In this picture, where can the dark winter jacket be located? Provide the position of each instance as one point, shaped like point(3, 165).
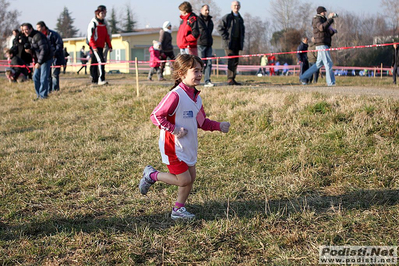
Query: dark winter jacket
point(18, 65)
point(40, 46)
point(18, 45)
point(321, 30)
point(227, 26)
point(165, 38)
point(395, 57)
point(205, 25)
point(188, 32)
point(302, 57)
point(57, 46)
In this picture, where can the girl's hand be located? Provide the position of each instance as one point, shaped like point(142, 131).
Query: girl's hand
point(224, 127)
point(180, 132)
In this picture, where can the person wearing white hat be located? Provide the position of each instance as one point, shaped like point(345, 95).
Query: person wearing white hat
point(165, 38)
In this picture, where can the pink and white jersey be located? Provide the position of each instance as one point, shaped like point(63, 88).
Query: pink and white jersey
point(183, 149)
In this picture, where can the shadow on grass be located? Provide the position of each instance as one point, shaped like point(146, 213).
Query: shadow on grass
point(210, 211)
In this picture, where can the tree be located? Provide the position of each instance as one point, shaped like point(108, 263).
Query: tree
point(256, 37)
point(8, 22)
point(391, 8)
point(284, 12)
point(129, 24)
point(113, 22)
point(65, 25)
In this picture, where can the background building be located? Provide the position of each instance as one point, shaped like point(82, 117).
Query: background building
point(127, 47)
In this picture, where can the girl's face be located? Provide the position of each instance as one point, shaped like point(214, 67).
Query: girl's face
point(193, 76)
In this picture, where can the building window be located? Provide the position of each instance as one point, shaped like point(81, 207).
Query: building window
point(118, 54)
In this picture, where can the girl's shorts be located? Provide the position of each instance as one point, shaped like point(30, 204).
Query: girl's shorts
point(178, 168)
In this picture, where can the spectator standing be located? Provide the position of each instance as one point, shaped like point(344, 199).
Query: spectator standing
point(263, 63)
point(188, 32)
point(272, 62)
point(57, 47)
point(322, 31)
point(97, 37)
point(205, 42)
point(66, 57)
point(312, 58)
point(154, 60)
point(303, 57)
point(18, 44)
point(18, 71)
point(165, 38)
point(395, 62)
point(40, 49)
point(83, 60)
point(232, 30)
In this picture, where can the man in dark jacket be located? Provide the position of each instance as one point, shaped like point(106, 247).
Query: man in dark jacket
point(57, 47)
point(322, 32)
point(303, 57)
point(40, 49)
point(395, 62)
point(232, 30)
point(205, 41)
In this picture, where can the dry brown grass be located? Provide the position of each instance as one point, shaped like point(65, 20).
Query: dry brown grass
point(296, 171)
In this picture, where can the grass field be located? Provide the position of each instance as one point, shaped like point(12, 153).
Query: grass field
point(296, 171)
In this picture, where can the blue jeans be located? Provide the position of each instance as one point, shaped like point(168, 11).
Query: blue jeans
point(41, 79)
point(55, 78)
point(323, 58)
point(205, 51)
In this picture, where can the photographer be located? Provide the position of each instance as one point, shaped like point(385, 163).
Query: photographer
point(322, 32)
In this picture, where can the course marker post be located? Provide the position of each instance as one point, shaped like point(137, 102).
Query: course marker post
point(137, 76)
point(217, 67)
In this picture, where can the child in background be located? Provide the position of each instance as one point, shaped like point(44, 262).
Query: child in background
point(178, 116)
point(155, 61)
point(18, 71)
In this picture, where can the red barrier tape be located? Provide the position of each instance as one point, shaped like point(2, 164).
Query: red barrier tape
point(244, 56)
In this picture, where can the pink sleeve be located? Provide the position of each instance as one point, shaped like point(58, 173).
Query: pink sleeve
point(209, 125)
point(165, 108)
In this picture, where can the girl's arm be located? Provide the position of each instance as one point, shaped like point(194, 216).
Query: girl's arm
point(165, 108)
point(205, 123)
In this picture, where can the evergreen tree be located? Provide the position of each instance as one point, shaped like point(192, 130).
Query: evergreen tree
point(129, 22)
point(113, 23)
point(65, 25)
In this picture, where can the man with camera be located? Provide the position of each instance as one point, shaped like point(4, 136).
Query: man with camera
point(322, 31)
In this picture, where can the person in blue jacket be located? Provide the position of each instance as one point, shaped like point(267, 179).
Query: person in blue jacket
point(57, 47)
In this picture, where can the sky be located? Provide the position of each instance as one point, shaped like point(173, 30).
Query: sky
point(152, 13)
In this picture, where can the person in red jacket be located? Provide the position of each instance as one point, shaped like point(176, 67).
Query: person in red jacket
point(155, 60)
point(97, 37)
point(272, 62)
point(188, 32)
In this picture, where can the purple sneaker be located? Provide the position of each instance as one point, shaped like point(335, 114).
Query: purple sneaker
point(146, 181)
point(181, 213)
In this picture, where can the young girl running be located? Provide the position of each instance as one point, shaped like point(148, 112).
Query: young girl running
point(178, 116)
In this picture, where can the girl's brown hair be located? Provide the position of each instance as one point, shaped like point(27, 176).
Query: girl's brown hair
point(186, 6)
point(182, 64)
